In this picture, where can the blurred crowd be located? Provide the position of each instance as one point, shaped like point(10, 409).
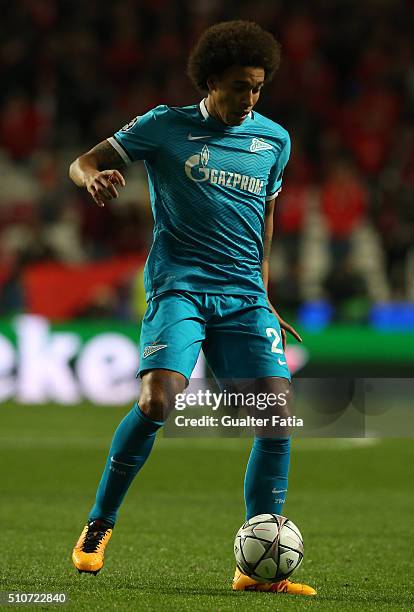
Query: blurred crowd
point(73, 72)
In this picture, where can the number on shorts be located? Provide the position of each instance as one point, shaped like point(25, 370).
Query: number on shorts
point(272, 332)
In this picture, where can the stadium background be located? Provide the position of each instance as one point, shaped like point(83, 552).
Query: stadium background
point(71, 296)
point(343, 255)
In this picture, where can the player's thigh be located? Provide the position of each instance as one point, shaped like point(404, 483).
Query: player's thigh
point(172, 333)
point(269, 400)
point(246, 342)
point(158, 391)
point(273, 395)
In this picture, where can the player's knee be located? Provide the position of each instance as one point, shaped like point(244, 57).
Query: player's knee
point(155, 405)
point(158, 393)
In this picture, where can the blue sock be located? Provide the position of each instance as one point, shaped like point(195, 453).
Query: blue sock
point(130, 448)
point(266, 480)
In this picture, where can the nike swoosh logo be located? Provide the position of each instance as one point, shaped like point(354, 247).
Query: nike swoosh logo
point(191, 137)
point(280, 362)
point(122, 463)
point(279, 490)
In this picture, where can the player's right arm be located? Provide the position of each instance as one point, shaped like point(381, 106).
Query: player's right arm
point(98, 171)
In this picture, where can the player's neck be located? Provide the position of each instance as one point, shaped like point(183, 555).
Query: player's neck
point(212, 110)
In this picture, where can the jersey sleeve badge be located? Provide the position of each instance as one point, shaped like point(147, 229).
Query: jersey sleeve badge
point(129, 125)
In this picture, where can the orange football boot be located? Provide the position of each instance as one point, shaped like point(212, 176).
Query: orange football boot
point(241, 582)
point(88, 554)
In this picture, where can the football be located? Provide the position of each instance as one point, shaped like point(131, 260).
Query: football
point(268, 548)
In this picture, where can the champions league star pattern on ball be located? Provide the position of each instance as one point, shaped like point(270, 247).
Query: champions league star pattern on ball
point(203, 173)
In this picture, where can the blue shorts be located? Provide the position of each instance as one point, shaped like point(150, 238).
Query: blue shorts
point(239, 335)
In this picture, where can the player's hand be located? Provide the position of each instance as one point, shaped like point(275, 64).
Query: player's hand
point(285, 327)
point(101, 185)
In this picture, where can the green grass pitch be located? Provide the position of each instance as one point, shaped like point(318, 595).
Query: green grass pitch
point(172, 547)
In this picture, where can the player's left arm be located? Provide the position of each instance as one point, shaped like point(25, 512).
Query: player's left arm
point(267, 246)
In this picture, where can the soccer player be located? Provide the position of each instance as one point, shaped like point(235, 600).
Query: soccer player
point(214, 171)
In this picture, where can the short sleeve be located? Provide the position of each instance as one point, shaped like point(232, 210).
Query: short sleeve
point(141, 137)
point(276, 172)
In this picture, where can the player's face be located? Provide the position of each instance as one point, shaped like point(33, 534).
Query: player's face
point(232, 95)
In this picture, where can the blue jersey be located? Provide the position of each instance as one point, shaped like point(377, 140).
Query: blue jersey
point(208, 184)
